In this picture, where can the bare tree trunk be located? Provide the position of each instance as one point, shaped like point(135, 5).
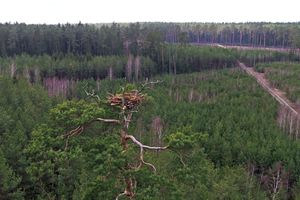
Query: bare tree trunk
point(137, 67)
point(162, 58)
point(174, 62)
point(260, 40)
point(297, 128)
point(191, 95)
point(37, 75)
point(170, 62)
point(98, 85)
point(110, 73)
point(157, 128)
point(129, 68)
point(291, 124)
point(13, 70)
point(175, 69)
point(241, 37)
point(27, 74)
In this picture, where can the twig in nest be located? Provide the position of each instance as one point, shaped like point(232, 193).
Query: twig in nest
point(126, 100)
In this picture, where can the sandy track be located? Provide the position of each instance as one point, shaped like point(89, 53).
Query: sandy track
point(262, 80)
point(276, 93)
point(242, 47)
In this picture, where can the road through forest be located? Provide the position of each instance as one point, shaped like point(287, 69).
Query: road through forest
point(276, 93)
point(289, 112)
point(263, 81)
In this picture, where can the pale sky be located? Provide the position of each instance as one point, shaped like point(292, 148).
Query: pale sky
point(96, 11)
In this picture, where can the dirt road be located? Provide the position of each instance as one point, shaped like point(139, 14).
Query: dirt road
point(276, 93)
point(278, 49)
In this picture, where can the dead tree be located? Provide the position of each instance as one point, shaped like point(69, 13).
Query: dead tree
point(274, 180)
point(13, 70)
point(157, 126)
point(127, 102)
point(137, 67)
point(129, 67)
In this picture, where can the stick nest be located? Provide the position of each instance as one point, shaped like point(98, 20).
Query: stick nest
point(126, 100)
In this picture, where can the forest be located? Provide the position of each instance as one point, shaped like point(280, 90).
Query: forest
point(114, 39)
point(147, 111)
point(284, 75)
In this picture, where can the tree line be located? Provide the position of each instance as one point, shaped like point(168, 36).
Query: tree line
point(59, 39)
point(172, 59)
point(248, 34)
point(117, 39)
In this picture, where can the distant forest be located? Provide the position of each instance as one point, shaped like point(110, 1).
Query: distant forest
point(117, 39)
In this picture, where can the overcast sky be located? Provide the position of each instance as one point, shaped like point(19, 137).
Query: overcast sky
point(96, 11)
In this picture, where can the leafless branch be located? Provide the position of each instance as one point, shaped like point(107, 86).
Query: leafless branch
point(147, 83)
point(93, 95)
point(122, 194)
point(143, 162)
point(116, 121)
point(67, 143)
point(180, 157)
point(134, 140)
point(78, 130)
point(142, 147)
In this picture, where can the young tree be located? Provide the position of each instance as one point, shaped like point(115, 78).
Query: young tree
point(8, 181)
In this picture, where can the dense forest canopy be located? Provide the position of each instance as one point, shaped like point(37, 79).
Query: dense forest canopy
point(283, 75)
point(109, 39)
point(219, 128)
point(231, 145)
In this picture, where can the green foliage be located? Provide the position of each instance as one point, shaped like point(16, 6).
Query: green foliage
point(253, 57)
point(128, 87)
point(179, 140)
point(108, 39)
point(214, 122)
point(37, 68)
point(158, 187)
point(22, 107)
point(237, 115)
point(231, 180)
point(177, 59)
point(285, 76)
point(165, 59)
point(186, 139)
point(79, 39)
point(74, 113)
point(89, 165)
point(9, 182)
point(52, 169)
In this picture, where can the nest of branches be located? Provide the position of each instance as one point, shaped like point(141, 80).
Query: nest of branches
point(126, 100)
